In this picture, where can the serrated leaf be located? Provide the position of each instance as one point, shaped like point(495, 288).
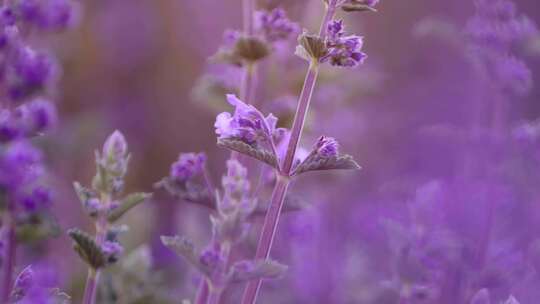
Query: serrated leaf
point(260, 154)
point(87, 248)
point(127, 204)
point(254, 270)
point(184, 248)
point(318, 163)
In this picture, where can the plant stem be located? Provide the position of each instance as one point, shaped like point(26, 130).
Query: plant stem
point(282, 184)
point(202, 292)
point(9, 260)
point(300, 116)
point(247, 87)
point(102, 226)
point(91, 286)
point(248, 10)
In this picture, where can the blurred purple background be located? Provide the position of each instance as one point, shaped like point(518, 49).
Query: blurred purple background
point(446, 203)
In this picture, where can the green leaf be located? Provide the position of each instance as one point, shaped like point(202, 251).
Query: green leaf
point(239, 146)
point(87, 248)
point(126, 204)
point(318, 163)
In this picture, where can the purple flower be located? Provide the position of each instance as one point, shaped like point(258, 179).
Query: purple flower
point(247, 124)
point(20, 163)
point(235, 182)
point(210, 258)
point(49, 15)
point(21, 172)
point(36, 285)
point(326, 146)
point(187, 166)
point(112, 250)
point(27, 120)
point(513, 75)
point(274, 25)
point(344, 51)
point(10, 128)
point(7, 16)
point(28, 73)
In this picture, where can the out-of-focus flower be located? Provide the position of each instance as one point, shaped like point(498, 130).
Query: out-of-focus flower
point(112, 250)
point(187, 166)
point(27, 120)
point(28, 72)
point(275, 26)
point(49, 15)
point(21, 171)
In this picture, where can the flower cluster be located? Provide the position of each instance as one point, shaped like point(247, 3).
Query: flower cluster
point(21, 178)
point(343, 50)
point(26, 74)
point(27, 120)
point(247, 124)
point(275, 26)
point(337, 48)
point(230, 226)
point(271, 27)
point(187, 166)
point(104, 204)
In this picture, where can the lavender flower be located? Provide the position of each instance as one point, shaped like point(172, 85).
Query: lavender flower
point(326, 146)
point(247, 124)
point(275, 26)
point(20, 173)
point(48, 15)
point(187, 166)
point(344, 51)
point(27, 120)
point(28, 73)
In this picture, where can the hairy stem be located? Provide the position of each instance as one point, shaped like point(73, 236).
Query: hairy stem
point(102, 226)
point(282, 184)
point(9, 260)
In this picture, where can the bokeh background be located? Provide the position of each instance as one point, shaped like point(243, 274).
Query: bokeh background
point(412, 222)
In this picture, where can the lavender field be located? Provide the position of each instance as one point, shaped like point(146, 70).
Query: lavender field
point(269, 151)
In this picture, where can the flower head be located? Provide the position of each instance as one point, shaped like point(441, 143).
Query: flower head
point(343, 50)
point(28, 72)
point(326, 146)
point(115, 153)
point(187, 166)
point(247, 124)
point(275, 26)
